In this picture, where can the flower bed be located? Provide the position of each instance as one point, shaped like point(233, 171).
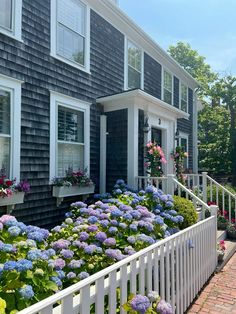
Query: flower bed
point(36, 263)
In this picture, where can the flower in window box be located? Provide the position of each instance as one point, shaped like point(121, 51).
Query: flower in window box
point(8, 187)
point(78, 178)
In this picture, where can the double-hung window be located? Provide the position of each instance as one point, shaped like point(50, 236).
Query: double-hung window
point(167, 87)
point(69, 135)
point(10, 113)
point(70, 32)
point(183, 142)
point(10, 18)
point(184, 98)
point(134, 66)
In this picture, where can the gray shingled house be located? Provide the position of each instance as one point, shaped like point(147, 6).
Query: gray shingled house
point(85, 67)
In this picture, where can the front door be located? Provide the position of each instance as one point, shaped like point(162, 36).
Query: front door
point(157, 136)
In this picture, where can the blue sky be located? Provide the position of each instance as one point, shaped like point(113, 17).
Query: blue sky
point(209, 26)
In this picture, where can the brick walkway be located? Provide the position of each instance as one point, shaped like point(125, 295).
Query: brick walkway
point(219, 296)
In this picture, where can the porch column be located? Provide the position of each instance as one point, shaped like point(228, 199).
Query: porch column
point(132, 163)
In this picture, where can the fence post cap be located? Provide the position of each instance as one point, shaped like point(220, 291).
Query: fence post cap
point(214, 209)
point(204, 172)
point(171, 175)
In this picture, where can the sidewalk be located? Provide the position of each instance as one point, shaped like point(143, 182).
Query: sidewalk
point(219, 296)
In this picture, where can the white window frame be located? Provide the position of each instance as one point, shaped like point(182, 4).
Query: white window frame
point(180, 95)
point(53, 53)
point(57, 99)
point(185, 136)
point(14, 87)
point(162, 83)
point(126, 87)
point(16, 31)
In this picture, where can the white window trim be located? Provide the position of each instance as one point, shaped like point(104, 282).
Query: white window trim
point(14, 86)
point(53, 53)
point(162, 84)
point(75, 104)
point(185, 136)
point(180, 95)
point(126, 63)
point(16, 31)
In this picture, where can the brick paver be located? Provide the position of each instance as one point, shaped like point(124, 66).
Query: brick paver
point(219, 296)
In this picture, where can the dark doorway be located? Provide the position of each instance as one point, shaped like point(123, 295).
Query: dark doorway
point(157, 136)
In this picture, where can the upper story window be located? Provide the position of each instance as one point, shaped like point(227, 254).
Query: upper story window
point(167, 87)
point(184, 98)
point(10, 18)
point(10, 112)
point(69, 134)
point(134, 66)
point(70, 32)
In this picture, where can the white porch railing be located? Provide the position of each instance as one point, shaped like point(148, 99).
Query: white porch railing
point(210, 190)
point(159, 182)
point(177, 267)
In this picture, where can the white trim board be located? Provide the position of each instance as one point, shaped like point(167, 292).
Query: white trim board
point(14, 86)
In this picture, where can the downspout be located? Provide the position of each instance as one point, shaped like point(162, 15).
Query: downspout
point(195, 132)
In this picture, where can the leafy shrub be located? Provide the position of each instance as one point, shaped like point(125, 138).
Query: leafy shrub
point(186, 209)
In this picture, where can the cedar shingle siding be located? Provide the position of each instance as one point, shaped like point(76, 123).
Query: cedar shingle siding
point(30, 61)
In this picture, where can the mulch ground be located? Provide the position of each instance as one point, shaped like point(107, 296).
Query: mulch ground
point(219, 296)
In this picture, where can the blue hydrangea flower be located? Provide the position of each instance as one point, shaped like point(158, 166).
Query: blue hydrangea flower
point(104, 223)
point(10, 265)
point(14, 231)
point(158, 220)
point(116, 213)
point(101, 236)
point(128, 216)
point(23, 265)
point(131, 239)
point(61, 274)
point(34, 255)
point(114, 254)
point(56, 280)
point(110, 242)
point(164, 308)
point(67, 253)
point(26, 292)
point(150, 189)
point(71, 275)
point(113, 230)
point(118, 191)
point(83, 275)
point(76, 264)
point(133, 227)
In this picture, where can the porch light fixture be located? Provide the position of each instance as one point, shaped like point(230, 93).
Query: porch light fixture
point(177, 136)
point(146, 127)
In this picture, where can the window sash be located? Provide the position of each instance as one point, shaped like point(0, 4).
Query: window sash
point(168, 83)
point(6, 14)
point(184, 98)
point(134, 78)
point(71, 38)
point(134, 57)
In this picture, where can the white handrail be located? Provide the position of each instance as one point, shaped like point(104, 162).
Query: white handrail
point(196, 198)
point(221, 186)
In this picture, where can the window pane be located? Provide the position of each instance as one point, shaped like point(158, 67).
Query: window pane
point(134, 78)
point(70, 45)
point(70, 125)
point(5, 155)
point(167, 96)
point(4, 112)
point(183, 105)
point(134, 56)
point(71, 13)
point(6, 13)
point(167, 81)
point(69, 156)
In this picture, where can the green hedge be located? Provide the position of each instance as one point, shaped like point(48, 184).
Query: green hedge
point(186, 209)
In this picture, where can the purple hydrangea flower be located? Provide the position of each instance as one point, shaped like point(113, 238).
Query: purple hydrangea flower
point(6, 219)
point(1, 226)
point(114, 254)
point(104, 223)
point(83, 236)
point(164, 308)
point(101, 236)
point(67, 253)
point(76, 264)
point(122, 225)
point(92, 219)
point(131, 239)
point(110, 242)
point(116, 213)
point(59, 263)
point(60, 244)
point(79, 204)
point(56, 229)
point(113, 230)
point(92, 228)
point(71, 275)
point(140, 304)
point(90, 249)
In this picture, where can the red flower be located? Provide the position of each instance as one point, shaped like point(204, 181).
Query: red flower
point(9, 183)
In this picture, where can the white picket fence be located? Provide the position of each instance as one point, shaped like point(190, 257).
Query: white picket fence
point(177, 267)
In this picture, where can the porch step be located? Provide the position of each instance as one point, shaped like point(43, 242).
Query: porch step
point(229, 252)
point(221, 235)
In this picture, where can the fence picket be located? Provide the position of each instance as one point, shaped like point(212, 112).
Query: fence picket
point(123, 287)
point(85, 299)
point(112, 292)
point(99, 304)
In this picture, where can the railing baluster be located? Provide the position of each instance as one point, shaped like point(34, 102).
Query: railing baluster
point(133, 274)
point(149, 271)
point(217, 195)
point(141, 275)
point(85, 300)
point(156, 270)
point(123, 286)
point(99, 305)
point(173, 273)
point(67, 304)
point(223, 202)
point(167, 276)
point(229, 208)
point(112, 292)
point(211, 190)
point(47, 310)
point(162, 273)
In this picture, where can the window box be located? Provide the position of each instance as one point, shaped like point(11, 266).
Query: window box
point(11, 200)
point(65, 191)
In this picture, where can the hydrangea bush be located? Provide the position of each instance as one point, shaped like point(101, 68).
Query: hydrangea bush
point(152, 304)
point(34, 263)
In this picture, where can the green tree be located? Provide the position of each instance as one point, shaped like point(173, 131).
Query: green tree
point(227, 93)
point(214, 137)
